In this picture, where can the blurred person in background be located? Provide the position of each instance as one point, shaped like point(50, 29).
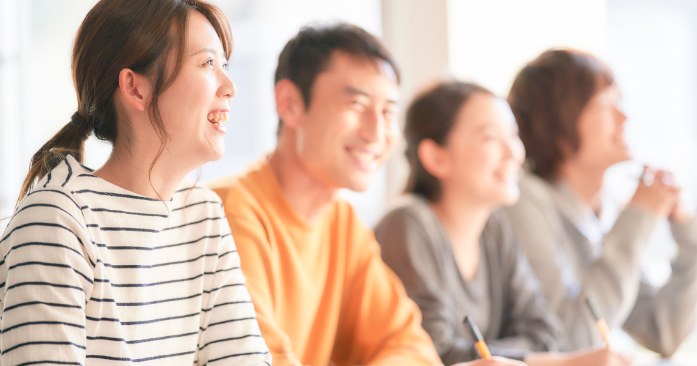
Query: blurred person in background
point(130, 264)
point(455, 252)
point(567, 106)
point(322, 293)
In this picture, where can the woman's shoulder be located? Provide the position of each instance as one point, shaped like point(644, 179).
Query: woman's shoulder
point(52, 204)
point(57, 187)
point(410, 220)
point(408, 209)
point(534, 187)
point(536, 199)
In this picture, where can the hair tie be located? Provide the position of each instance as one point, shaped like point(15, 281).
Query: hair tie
point(75, 120)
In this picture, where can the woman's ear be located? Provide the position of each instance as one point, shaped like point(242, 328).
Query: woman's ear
point(566, 149)
point(289, 103)
point(135, 89)
point(434, 159)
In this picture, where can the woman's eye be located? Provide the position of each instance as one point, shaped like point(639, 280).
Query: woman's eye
point(225, 67)
point(209, 62)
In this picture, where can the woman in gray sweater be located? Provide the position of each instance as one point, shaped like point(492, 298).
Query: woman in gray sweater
point(566, 104)
point(454, 253)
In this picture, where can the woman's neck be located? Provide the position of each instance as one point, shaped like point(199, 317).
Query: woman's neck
point(464, 222)
point(587, 182)
point(130, 170)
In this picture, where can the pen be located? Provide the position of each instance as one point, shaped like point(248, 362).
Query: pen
point(600, 322)
point(477, 336)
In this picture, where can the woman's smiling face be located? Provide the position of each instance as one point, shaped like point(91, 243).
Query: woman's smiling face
point(483, 152)
point(197, 103)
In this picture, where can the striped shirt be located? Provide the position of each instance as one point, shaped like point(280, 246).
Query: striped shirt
point(92, 274)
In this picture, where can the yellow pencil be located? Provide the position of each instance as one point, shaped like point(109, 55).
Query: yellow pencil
point(477, 336)
point(600, 322)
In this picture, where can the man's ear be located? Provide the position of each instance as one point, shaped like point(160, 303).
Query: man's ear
point(290, 104)
point(135, 89)
point(434, 158)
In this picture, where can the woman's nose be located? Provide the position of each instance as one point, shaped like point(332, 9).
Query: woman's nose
point(227, 88)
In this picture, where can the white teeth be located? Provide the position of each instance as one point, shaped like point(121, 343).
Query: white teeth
point(364, 157)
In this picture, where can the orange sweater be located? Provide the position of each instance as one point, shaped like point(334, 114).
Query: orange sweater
point(321, 292)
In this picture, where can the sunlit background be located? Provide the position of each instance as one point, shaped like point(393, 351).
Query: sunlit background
point(651, 45)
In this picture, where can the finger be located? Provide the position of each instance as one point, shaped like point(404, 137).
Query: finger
point(659, 178)
point(497, 360)
point(625, 359)
point(673, 192)
point(648, 176)
point(668, 178)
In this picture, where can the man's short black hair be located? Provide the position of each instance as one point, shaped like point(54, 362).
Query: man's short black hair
point(308, 53)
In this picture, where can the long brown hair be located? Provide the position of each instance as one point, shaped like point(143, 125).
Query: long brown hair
point(116, 35)
point(547, 98)
point(432, 115)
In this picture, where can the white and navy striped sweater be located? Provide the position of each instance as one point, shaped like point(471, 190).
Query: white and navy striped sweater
point(92, 274)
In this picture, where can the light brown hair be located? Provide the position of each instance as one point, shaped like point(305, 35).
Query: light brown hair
point(547, 98)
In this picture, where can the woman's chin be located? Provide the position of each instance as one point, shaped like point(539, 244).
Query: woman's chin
point(621, 157)
point(216, 153)
point(511, 196)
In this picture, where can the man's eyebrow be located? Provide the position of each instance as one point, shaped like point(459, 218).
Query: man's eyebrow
point(352, 90)
point(486, 127)
point(203, 50)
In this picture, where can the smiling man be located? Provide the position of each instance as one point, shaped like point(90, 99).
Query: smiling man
point(321, 291)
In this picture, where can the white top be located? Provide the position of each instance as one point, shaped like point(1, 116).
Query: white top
point(93, 274)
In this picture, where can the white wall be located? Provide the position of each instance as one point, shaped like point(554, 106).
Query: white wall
point(490, 41)
point(12, 38)
point(652, 47)
point(416, 32)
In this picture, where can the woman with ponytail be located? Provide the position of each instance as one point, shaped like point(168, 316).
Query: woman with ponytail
point(128, 264)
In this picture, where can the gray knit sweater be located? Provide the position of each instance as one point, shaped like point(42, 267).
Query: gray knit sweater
point(415, 245)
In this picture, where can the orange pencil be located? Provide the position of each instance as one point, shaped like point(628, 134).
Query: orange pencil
point(600, 322)
point(477, 336)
